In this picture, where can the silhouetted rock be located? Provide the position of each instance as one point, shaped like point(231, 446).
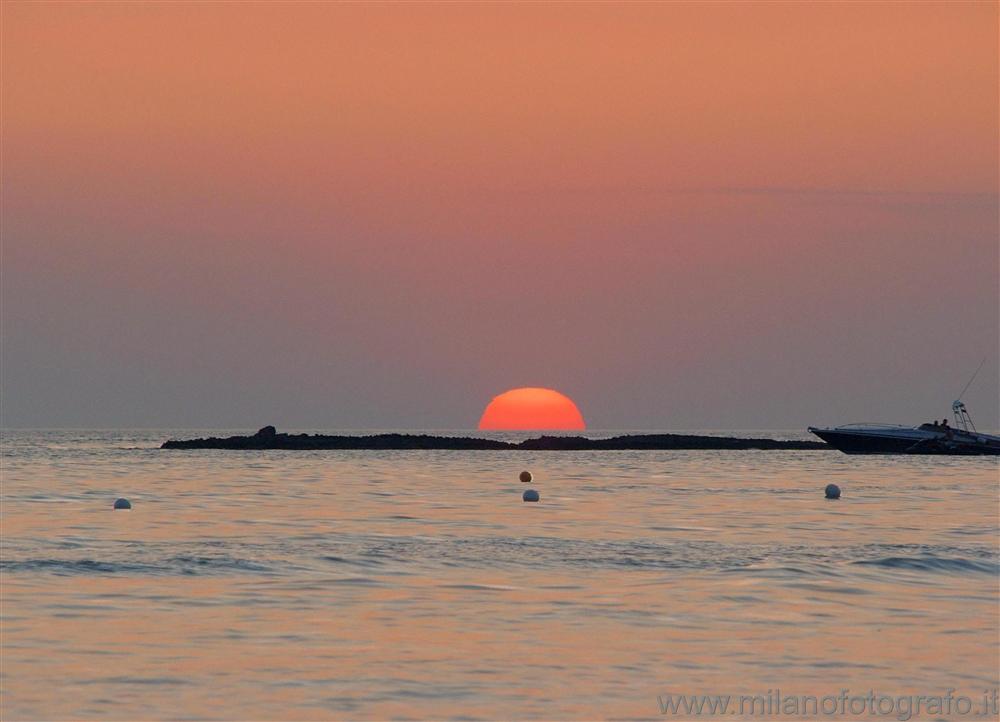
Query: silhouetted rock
point(269, 438)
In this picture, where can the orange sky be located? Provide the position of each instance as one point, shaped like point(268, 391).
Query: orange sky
point(407, 208)
point(592, 95)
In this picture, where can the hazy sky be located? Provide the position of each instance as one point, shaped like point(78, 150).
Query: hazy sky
point(382, 215)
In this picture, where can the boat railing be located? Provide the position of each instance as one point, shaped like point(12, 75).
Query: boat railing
point(875, 425)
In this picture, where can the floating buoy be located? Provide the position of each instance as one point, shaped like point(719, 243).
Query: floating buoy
point(530, 495)
point(525, 477)
point(123, 504)
point(832, 491)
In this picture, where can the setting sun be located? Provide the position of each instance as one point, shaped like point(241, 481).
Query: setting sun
point(532, 408)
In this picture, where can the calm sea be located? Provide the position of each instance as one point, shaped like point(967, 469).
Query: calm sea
point(413, 585)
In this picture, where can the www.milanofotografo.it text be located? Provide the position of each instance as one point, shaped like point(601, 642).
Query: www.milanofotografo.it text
point(843, 704)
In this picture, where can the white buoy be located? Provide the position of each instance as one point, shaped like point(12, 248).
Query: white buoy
point(832, 491)
point(123, 504)
point(530, 495)
point(525, 477)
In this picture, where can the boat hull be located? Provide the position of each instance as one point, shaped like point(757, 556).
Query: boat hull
point(860, 443)
point(868, 442)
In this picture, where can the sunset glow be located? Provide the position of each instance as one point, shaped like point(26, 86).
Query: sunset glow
point(532, 408)
point(685, 212)
point(264, 261)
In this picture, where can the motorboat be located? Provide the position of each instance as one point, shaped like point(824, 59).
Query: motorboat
point(932, 438)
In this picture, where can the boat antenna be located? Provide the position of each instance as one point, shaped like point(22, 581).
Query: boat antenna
point(966, 387)
point(962, 418)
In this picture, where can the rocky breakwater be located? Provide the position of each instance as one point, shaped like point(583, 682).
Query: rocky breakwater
point(269, 438)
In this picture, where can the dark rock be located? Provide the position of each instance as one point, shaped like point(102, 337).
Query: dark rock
point(529, 495)
point(269, 438)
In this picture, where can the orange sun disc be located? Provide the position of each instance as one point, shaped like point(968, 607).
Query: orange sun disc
point(532, 409)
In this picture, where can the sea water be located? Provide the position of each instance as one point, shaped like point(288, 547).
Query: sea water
point(276, 585)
